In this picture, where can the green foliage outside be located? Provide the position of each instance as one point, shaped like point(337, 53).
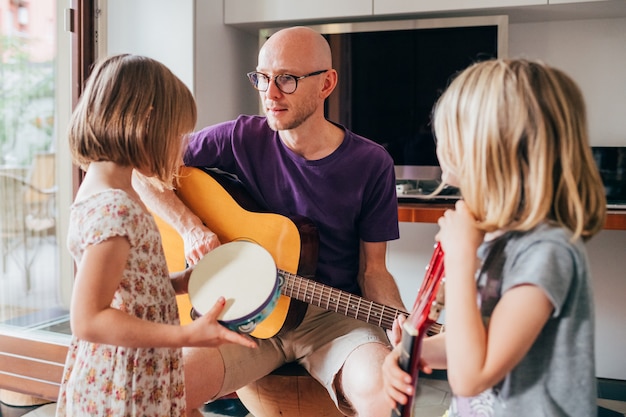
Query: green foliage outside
point(26, 103)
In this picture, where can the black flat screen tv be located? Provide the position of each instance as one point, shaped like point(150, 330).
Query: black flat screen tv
point(611, 162)
point(392, 72)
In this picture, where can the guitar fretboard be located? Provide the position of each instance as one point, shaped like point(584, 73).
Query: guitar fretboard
point(343, 302)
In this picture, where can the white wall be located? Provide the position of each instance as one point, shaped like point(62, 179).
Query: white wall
point(64, 198)
point(223, 56)
point(593, 52)
point(189, 37)
point(607, 254)
point(160, 29)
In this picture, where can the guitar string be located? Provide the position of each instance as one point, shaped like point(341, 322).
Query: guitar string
point(338, 300)
point(341, 301)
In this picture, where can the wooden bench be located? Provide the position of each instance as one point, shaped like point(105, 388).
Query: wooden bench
point(31, 363)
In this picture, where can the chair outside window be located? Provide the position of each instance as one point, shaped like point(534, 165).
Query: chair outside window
point(27, 212)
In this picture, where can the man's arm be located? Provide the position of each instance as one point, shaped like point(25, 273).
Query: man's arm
point(198, 239)
point(375, 280)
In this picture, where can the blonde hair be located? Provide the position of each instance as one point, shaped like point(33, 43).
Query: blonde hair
point(515, 134)
point(135, 112)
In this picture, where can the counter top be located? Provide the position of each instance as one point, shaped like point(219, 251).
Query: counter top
point(430, 213)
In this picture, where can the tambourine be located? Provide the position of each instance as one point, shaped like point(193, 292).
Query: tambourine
point(245, 274)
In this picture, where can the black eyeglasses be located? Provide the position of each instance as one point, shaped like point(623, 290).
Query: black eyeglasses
point(286, 83)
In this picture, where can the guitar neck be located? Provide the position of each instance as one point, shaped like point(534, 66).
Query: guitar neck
point(343, 302)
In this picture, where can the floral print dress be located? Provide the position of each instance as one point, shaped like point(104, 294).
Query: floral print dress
point(106, 380)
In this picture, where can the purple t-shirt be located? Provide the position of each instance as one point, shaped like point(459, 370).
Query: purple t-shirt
point(349, 195)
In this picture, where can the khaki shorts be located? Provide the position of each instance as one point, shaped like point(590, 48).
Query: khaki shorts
point(321, 344)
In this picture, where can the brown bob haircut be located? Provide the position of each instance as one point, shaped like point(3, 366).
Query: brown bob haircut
point(134, 112)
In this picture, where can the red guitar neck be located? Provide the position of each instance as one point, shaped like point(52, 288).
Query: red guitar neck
point(426, 310)
point(421, 316)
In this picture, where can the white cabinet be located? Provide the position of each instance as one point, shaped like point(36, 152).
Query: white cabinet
point(416, 6)
point(276, 11)
point(570, 1)
point(256, 14)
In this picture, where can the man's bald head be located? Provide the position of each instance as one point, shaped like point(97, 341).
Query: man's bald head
point(297, 47)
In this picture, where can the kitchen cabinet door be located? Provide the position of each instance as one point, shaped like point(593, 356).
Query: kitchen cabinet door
point(571, 1)
point(287, 11)
point(382, 7)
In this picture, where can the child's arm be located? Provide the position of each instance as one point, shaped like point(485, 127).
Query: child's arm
point(93, 319)
point(478, 358)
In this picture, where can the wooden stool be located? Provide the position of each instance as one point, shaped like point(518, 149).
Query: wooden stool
point(288, 391)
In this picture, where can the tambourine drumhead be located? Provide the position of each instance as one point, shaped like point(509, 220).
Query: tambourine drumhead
point(243, 272)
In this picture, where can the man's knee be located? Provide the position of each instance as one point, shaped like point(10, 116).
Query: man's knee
point(360, 379)
point(204, 375)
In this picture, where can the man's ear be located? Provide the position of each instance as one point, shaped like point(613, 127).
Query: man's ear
point(330, 82)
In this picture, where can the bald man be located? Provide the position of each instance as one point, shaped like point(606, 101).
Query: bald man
point(296, 162)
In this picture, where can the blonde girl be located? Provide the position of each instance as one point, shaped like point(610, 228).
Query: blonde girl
point(512, 135)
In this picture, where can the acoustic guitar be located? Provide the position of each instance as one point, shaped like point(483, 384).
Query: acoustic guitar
point(226, 208)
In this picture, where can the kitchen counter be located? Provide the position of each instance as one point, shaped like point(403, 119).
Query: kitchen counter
point(430, 213)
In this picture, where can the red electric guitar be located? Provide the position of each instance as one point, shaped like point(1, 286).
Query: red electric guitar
point(428, 306)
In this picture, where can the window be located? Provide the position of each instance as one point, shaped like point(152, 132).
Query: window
point(29, 293)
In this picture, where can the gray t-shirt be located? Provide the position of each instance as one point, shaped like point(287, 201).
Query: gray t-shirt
point(557, 375)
